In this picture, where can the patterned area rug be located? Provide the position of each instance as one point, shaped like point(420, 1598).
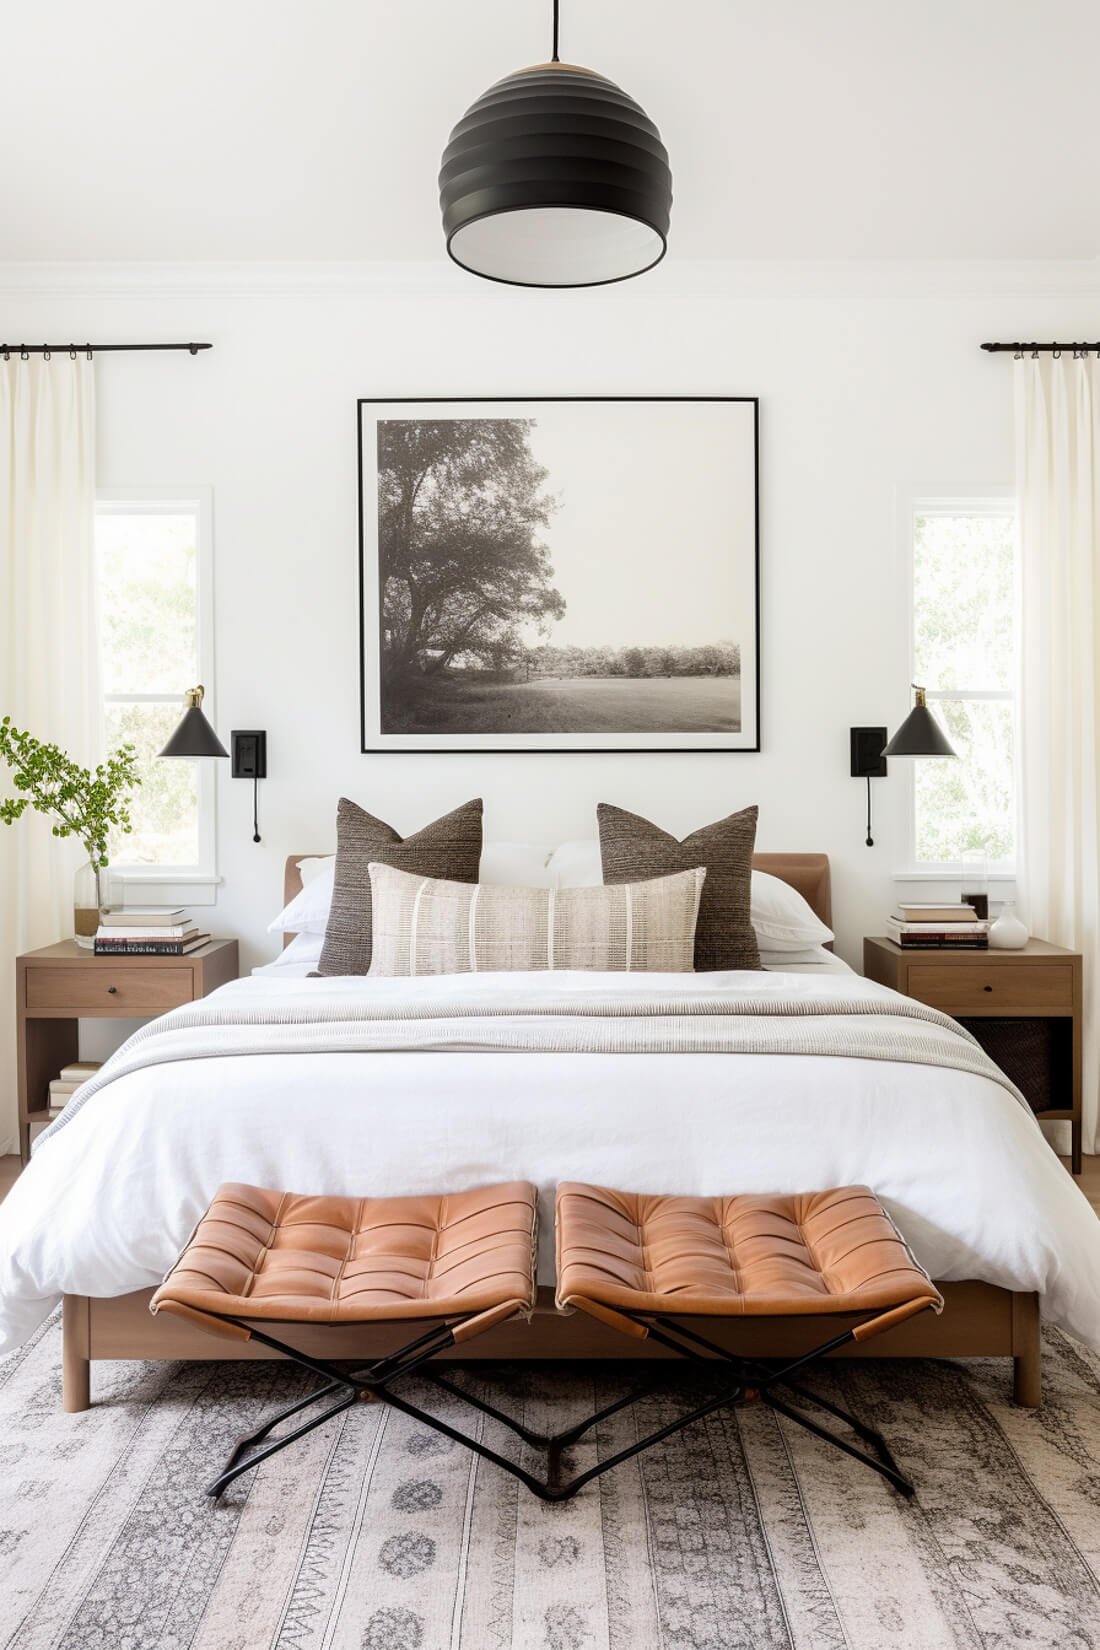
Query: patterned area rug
point(374, 1533)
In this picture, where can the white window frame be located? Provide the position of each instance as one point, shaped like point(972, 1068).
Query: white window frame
point(196, 884)
point(998, 499)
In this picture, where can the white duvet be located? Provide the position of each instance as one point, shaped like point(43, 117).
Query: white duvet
point(109, 1198)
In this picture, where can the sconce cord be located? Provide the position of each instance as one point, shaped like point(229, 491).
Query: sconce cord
point(870, 838)
point(256, 808)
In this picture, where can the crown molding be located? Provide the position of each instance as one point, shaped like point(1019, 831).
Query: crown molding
point(673, 279)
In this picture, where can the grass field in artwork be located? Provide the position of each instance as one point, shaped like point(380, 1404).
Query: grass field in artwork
point(556, 705)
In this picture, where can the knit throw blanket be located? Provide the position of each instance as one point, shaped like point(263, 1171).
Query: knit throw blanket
point(569, 1020)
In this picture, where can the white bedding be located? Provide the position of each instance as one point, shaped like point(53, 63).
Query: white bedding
point(110, 1197)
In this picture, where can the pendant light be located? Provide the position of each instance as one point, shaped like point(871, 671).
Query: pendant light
point(555, 178)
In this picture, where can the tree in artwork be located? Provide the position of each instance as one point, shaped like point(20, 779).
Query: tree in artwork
point(463, 573)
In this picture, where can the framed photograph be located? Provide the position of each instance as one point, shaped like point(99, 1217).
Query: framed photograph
point(562, 574)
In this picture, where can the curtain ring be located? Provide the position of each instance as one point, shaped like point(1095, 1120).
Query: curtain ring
point(7, 353)
point(1019, 355)
point(88, 347)
point(72, 352)
point(1057, 354)
point(24, 353)
point(46, 352)
point(1035, 355)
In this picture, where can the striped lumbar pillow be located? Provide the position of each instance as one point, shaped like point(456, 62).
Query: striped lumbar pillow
point(424, 926)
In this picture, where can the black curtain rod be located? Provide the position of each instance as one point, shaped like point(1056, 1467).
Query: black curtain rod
point(1040, 349)
point(24, 350)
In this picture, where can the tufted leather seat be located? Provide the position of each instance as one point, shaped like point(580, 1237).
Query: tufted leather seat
point(817, 1252)
point(282, 1257)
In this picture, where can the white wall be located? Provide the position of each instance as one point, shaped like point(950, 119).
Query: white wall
point(866, 382)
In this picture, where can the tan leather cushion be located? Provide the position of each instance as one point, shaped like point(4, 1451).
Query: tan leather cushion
point(261, 1254)
point(834, 1251)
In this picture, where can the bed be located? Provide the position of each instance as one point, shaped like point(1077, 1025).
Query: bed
point(337, 1086)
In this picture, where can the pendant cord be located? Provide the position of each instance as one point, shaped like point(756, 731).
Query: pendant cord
point(555, 58)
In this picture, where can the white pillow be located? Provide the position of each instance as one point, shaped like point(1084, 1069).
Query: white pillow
point(515, 865)
point(297, 959)
point(308, 869)
point(576, 864)
point(796, 959)
point(781, 917)
point(307, 912)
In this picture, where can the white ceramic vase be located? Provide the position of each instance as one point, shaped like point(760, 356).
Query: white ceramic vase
point(1008, 933)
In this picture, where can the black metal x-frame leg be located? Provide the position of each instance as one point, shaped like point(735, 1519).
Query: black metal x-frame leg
point(752, 1381)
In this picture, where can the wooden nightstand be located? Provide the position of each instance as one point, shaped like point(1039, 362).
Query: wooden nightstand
point(61, 984)
point(1024, 1007)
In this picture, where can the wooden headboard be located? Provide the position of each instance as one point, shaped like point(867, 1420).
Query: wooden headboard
point(807, 874)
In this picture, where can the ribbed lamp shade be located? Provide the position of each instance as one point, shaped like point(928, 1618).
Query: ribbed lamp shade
point(556, 178)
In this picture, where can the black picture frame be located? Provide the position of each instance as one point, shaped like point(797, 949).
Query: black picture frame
point(375, 738)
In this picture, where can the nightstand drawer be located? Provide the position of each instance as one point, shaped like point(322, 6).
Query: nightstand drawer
point(105, 990)
point(996, 988)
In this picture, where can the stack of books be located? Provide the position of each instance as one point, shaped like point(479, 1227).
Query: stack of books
point(938, 928)
point(147, 931)
point(66, 1083)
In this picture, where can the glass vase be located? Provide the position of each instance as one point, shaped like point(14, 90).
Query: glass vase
point(89, 902)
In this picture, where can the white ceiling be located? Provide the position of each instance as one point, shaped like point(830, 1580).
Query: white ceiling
point(311, 129)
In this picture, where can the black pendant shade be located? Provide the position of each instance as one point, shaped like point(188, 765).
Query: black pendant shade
point(194, 736)
point(556, 178)
point(920, 734)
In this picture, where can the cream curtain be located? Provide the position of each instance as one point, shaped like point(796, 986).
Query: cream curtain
point(49, 667)
point(1058, 477)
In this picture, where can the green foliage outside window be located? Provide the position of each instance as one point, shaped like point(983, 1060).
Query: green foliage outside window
point(965, 642)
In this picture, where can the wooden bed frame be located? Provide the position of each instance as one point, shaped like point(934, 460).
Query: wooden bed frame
point(980, 1320)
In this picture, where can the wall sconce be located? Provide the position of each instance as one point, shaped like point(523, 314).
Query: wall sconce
point(195, 737)
point(919, 735)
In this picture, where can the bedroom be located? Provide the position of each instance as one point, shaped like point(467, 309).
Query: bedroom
point(858, 205)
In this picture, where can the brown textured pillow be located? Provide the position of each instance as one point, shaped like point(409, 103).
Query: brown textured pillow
point(632, 848)
point(449, 847)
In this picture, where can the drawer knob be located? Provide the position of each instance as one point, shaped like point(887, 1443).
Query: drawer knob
point(984, 988)
point(112, 990)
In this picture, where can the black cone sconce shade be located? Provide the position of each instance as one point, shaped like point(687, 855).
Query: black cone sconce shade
point(920, 734)
point(556, 178)
point(194, 736)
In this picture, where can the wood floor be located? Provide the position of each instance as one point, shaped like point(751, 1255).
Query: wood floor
point(1089, 1181)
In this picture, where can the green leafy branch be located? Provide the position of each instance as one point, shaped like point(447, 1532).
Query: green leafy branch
point(83, 803)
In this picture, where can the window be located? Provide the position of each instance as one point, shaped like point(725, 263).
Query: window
point(964, 652)
point(152, 554)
